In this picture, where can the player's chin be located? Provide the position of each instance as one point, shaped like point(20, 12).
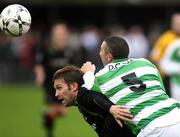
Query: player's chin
point(67, 104)
point(63, 102)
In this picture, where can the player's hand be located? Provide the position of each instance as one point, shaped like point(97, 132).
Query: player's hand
point(40, 75)
point(88, 66)
point(39, 80)
point(120, 114)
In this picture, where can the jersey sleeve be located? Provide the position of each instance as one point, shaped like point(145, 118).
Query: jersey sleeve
point(101, 101)
point(91, 100)
point(91, 82)
point(169, 64)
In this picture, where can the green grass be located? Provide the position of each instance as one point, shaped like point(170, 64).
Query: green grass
point(20, 115)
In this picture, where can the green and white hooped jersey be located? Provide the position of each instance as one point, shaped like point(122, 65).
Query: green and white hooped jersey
point(136, 84)
point(170, 62)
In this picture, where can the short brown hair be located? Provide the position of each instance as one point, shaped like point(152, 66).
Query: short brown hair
point(69, 74)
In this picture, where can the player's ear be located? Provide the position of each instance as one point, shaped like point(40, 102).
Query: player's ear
point(74, 86)
point(109, 57)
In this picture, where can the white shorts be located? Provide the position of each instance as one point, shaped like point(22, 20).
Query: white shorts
point(164, 126)
point(169, 131)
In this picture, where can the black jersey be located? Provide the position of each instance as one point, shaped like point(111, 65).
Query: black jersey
point(95, 110)
point(52, 59)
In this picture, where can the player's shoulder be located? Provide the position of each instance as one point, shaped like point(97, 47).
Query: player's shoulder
point(175, 42)
point(82, 93)
point(168, 35)
point(173, 46)
point(106, 68)
point(143, 61)
point(102, 71)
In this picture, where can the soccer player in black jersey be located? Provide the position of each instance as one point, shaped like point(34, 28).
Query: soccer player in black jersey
point(97, 110)
point(54, 54)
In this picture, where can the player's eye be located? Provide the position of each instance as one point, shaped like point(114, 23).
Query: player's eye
point(58, 88)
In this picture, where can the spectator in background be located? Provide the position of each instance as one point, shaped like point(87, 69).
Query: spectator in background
point(154, 31)
point(138, 43)
point(117, 30)
point(74, 38)
point(28, 44)
point(5, 57)
point(162, 43)
point(53, 55)
point(21, 54)
point(170, 64)
point(90, 39)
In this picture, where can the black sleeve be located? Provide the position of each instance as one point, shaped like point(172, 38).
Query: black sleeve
point(101, 100)
point(93, 101)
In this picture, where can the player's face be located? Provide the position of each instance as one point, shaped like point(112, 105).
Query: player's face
point(176, 24)
point(60, 35)
point(105, 57)
point(64, 92)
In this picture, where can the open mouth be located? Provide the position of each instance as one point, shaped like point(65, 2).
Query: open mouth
point(63, 102)
point(60, 100)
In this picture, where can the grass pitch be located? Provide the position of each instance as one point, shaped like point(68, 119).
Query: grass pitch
point(20, 115)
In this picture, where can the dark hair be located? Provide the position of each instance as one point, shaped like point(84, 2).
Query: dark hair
point(57, 22)
point(69, 74)
point(117, 46)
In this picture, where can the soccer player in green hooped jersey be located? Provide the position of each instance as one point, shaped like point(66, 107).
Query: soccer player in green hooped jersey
point(170, 64)
point(137, 85)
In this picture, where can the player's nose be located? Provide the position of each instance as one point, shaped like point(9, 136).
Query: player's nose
point(56, 94)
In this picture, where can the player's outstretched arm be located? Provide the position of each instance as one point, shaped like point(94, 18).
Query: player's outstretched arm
point(120, 114)
point(88, 69)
